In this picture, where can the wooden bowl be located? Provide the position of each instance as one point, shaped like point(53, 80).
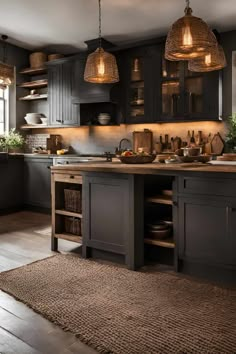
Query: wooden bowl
point(137, 159)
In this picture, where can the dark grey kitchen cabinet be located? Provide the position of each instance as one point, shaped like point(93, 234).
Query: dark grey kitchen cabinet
point(11, 183)
point(207, 220)
point(37, 182)
point(186, 95)
point(139, 72)
point(62, 110)
point(110, 223)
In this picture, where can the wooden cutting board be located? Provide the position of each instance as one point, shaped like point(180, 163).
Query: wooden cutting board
point(227, 157)
point(217, 144)
point(143, 139)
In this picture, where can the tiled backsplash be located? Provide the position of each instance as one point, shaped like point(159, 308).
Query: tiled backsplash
point(36, 140)
point(106, 138)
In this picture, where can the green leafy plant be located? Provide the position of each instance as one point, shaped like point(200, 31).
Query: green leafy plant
point(13, 140)
point(230, 139)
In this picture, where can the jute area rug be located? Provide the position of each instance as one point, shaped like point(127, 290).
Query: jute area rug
point(115, 310)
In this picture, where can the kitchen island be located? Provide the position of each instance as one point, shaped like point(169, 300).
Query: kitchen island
point(118, 201)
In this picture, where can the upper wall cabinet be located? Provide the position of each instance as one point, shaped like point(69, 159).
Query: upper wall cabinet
point(72, 101)
point(139, 72)
point(158, 90)
point(186, 95)
point(61, 108)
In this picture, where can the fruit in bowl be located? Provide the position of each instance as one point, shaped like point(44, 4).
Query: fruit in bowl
point(141, 157)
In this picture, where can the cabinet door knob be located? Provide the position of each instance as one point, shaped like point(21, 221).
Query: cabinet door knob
point(49, 167)
point(175, 203)
point(72, 176)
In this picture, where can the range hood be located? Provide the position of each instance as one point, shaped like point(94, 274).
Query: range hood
point(88, 92)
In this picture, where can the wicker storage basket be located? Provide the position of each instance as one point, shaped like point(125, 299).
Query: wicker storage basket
point(72, 200)
point(37, 59)
point(73, 225)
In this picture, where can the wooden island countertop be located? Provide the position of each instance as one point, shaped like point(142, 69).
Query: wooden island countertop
point(150, 168)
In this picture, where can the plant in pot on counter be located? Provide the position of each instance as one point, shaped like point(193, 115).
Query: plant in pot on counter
point(14, 141)
point(230, 140)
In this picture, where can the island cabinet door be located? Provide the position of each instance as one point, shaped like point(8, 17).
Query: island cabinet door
point(106, 211)
point(113, 216)
point(207, 230)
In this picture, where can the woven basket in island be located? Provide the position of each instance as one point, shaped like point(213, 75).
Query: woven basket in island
point(72, 200)
point(72, 225)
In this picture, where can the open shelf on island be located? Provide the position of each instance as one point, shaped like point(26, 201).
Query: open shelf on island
point(160, 199)
point(68, 213)
point(167, 243)
point(68, 237)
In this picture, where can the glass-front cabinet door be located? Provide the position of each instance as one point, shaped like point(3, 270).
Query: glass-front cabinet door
point(170, 89)
point(141, 77)
point(186, 95)
point(136, 98)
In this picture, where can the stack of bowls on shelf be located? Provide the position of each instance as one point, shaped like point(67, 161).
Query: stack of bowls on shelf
point(159, 230)
point(33, 118)
point(104, 118)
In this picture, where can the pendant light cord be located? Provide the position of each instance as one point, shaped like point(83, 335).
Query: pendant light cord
point(188, 10)
point(100, 24)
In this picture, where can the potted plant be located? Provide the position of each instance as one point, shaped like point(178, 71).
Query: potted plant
point(13, 141)
point(230, 140)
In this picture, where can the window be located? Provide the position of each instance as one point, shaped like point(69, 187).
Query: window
point(4, 102)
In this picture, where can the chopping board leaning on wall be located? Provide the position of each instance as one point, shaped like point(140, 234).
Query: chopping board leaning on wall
point(143, 139)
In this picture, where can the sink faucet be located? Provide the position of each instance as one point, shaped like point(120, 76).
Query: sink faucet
point(120, 143)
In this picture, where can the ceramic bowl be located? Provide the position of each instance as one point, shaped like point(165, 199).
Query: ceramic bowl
point(33, 118)
point(44, 120)
point(104, 118)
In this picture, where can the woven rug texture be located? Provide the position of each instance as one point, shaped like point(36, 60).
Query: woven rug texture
point(118, 311)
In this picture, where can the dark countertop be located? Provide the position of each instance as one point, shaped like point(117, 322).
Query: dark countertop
point(151, 168)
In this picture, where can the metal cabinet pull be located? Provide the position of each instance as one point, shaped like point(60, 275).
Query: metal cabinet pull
point(72, 176)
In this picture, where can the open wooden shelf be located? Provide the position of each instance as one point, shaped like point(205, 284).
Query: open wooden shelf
point(167, 243)
point(160, 199)
point(69, 237)
point(33, 98)
point(34, 84)
point(68, 213)
point(35, 126)
point(34, 71)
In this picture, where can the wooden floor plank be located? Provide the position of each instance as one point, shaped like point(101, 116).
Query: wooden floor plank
point(23, 331)
point(12, 345)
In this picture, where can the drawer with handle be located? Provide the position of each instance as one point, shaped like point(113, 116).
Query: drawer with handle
point(208, 186)
point(68, 178)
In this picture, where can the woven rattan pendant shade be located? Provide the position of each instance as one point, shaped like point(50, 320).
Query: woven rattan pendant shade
point(101, 68)
point(189, 38)
point(6, 74)
point(6, 71)
point(215, 60)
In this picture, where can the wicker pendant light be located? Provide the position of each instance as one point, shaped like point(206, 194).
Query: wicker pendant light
point(214, 60)
point(6, 71)
point(189, 38)
point(101, 67)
